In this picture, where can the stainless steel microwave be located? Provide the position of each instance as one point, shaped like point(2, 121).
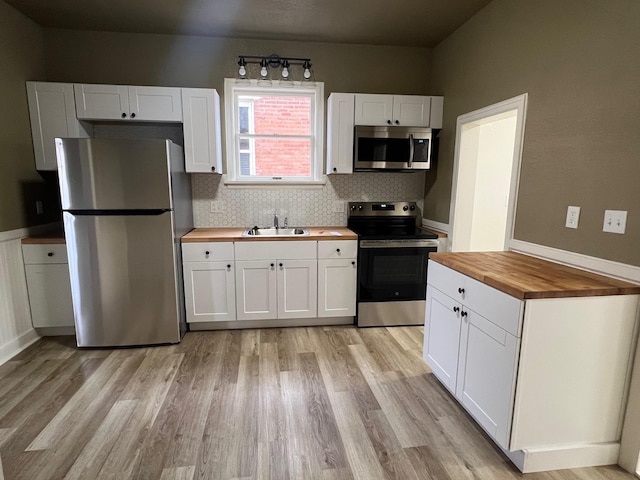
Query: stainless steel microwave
point(392, 148)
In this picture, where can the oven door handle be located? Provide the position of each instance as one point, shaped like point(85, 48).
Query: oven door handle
point(412, 150)
point(398, 244)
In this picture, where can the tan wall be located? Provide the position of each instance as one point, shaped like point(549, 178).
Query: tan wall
point(20, 60)
point(579, 61)
point(142, 59)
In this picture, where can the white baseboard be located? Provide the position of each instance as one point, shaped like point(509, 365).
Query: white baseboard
point(15, 346)
point(293, 322)
point(557, 458)
point(597, 265)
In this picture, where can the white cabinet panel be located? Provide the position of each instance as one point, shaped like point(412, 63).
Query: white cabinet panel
point(52, 112)
point(337, 249)
point(280, 250)
point(340, 118)
point(44, 253)
point(373, 109)
point(393, 110)
point(337, 281)
point(210, 291)
point(256, 290)
point(118, 102)
point(486, 374)
point(50, 295)
point(207, 251)
point(202, 135)
point(442, 336)
point(411, 110)
point(297, 289)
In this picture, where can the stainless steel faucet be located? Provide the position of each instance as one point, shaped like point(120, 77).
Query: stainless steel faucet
point(275, 221)
point(286, 222)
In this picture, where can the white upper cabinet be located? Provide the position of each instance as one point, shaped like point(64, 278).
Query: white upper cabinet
point(53, 114)
point(118, 102)
point(393, 110)
point(202, 138)
point(340, 112)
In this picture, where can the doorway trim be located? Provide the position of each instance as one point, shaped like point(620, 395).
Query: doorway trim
point(519, 104)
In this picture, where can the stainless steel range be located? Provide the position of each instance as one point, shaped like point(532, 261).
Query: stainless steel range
point(392, 263)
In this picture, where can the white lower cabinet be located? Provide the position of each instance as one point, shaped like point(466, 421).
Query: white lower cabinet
point(209, 281)
point(545, 378)
point(48, 285)
point(276, 280)
point(337, 278)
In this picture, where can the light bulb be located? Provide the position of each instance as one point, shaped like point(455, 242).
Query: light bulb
point(263, 71)
point(285, 72)
point(307, 73)
point(242, 71)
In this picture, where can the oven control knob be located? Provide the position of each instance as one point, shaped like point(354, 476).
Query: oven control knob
point(353, 208)
point(405, 208)
point(412, 208)
point(360, 207)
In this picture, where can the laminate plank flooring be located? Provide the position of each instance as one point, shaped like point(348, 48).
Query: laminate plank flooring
point(322, 403)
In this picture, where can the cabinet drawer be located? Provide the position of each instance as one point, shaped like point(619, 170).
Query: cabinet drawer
point(328, 249)
point(499, 307)
point(207, 251)
point(287, 250)
point(44, 253)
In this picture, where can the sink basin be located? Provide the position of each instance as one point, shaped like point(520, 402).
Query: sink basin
point(275, 232)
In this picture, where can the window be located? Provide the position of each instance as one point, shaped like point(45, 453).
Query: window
point(274, 134)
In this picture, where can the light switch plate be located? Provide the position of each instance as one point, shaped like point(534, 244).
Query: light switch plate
point(615, 221)
point(573, 216)
point(217, 206)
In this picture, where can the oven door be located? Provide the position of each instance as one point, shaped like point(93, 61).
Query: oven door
point(393, 270)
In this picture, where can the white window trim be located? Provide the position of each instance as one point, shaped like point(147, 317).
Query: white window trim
point(231, 90)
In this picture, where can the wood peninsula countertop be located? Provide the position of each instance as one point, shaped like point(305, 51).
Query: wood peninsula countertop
point(527, 277)
point(56, 237)
point(234, 234)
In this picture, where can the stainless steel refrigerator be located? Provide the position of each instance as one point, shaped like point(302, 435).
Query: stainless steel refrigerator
point(125, 203)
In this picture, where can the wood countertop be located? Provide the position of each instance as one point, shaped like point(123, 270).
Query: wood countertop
point(45, 239)
point(527, 277)
point(234, 234)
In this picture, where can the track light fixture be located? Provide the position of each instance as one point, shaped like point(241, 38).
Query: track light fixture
point(274, 61)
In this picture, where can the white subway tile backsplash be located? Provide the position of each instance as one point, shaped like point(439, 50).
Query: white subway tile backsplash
point(303, 206)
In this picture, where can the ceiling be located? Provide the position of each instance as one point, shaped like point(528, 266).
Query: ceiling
point(418, 23)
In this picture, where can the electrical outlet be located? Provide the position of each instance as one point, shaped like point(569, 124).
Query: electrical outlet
point(217, 206)
point(338, 206)
point(615, 221)
point(573, 216)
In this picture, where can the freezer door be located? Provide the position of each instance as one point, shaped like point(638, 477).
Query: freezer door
point(124, 280)
point(113, 174)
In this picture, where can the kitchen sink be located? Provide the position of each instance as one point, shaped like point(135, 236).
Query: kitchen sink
point(275, 232)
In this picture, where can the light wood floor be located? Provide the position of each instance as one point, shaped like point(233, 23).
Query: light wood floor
point(314, 403)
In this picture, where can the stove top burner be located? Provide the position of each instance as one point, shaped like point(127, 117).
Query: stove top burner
point(386, 221)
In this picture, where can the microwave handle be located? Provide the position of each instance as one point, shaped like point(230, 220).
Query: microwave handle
point(411, 150)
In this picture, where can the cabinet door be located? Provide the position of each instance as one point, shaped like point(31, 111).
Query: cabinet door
point(52, 111)
point(486, 374)
point(201, 123)
point(442, 336)
point(256, 285)
point(340, 112)
point(373, 109)
point(297, 288)
point(411, 110)
point(209, 289)
point(101, 102)
point(155, 104)
point(337, 288)
point(50, 295)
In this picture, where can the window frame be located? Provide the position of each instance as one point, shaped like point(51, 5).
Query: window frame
point(232, 91)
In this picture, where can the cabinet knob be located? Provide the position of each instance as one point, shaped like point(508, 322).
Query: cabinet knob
point(456, 309)
point(463, 313)
point(124, 115)
point(133, 115)
point(335, 169)
point(338, 250)
point(353, 263)
point(397, 122)
point(50, 254)
point(461, 291)
point(207, 253)
point(213, 169)
point(388, 122)
point(280, 264)
point(273, 265)
point(229, 266)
